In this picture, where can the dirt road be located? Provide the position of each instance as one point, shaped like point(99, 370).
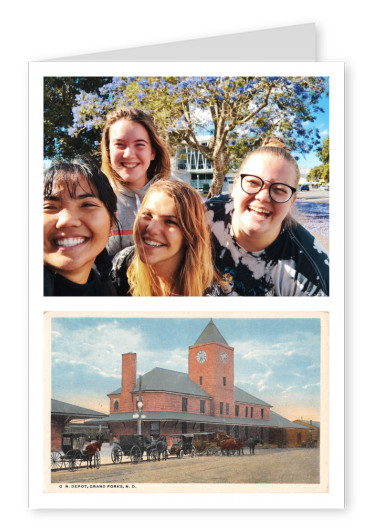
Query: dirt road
point(293, 465)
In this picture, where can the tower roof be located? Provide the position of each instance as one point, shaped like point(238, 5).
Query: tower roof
point(211, 334)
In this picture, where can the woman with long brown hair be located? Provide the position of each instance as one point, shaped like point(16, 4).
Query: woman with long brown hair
point(134, 156)
point(172, 254)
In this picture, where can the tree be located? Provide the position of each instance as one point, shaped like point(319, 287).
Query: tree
point(235, 111)
point(321, 172)
point(59, 98)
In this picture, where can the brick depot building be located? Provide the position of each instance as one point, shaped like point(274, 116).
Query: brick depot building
point(204, 400)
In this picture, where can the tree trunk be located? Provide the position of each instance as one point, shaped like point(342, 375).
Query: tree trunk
point(220, 168)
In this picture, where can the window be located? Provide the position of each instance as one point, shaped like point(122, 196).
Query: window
point(221, 408)
point(228, 430)
point(202, 406)
point(184, 404)
point(236, 432)
point(246, 432)
point(202, 428)
point(262, 413)
point(246, 411)
point(227, 409)
point(200, 380)
point(236, 411)
point(224, 380)
point(116, 405)
point(154, 429)
point(184, 427)
point(251, 412)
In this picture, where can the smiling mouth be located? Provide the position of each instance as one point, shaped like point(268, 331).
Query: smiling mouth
point(130, 165)
point(69, 242)
point(259, 211)
point(152, 243)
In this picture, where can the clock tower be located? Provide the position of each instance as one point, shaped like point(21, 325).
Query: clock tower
point(211, 366)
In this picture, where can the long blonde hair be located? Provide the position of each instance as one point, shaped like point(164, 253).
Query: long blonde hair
point(196, 271)
point(160, 167)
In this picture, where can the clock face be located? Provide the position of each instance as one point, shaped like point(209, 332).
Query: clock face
point(201, 356)
point(224, 357)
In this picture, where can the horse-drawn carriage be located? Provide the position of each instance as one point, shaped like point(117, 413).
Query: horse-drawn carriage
point(183, 445)
point(73, 453)
point(131, 446)
point(134, 447)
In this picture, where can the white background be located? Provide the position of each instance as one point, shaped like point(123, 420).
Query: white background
point(43, 29)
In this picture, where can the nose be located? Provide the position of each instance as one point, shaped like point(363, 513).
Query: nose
point(67, 218)
point(264, 193)
point(128, 151)
point(153, 226)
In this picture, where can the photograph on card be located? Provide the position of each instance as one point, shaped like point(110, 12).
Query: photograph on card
point(186, 185)
point(186, 403)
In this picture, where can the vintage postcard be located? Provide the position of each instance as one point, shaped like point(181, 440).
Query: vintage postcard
point(187, 402)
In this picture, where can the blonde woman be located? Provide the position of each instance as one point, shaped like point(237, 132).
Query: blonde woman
point(134, 156)
point(259, 248)
point(172, 255)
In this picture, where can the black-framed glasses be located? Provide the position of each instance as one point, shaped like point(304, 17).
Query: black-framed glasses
point(278, 192)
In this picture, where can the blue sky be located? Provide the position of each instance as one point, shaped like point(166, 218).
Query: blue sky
point(277, 360)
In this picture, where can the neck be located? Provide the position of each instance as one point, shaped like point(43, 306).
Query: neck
point(255, 242)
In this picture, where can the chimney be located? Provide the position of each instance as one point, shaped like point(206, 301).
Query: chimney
point(129, 368)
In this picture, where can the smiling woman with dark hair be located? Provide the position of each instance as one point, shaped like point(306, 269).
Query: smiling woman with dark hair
point(259, 248)
point(79, 212)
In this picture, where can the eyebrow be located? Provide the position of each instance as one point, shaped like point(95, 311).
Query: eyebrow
point(148, 210)
point(80, 196)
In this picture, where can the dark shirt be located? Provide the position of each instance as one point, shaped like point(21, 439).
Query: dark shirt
point(56, 285)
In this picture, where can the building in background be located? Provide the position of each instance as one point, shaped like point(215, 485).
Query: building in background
point(166, 402)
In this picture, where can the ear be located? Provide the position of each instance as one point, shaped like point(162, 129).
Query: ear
point(153, 154)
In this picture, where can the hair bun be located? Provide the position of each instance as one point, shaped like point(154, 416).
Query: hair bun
point(273, 141)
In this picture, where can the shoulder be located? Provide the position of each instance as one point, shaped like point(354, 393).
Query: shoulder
point(120, 264)
point(220, 208)
point(312, 253)
point(48, 282)
point(123, 258)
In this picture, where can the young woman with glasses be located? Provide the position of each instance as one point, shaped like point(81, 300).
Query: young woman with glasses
point(259, 248)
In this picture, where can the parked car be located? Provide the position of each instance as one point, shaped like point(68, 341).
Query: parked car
point(325, 187)
point(304, 187)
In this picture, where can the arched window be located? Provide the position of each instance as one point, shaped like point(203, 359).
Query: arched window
point(116, 406)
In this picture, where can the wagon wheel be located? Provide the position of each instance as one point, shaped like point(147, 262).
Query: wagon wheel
point(97, 460)
point(135, 454)
point(210, 451)
point(74, 460)
point(181, 454)
point(56, 461)
point(217, 451)
point(193, 452)
point(116, 455)
point(154, 454)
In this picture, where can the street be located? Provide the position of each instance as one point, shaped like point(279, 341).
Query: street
point(281, 466)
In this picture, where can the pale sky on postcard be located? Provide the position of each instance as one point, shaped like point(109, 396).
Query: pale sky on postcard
point(277, 360)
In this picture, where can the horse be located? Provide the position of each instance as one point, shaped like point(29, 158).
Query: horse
point(161, 444)
point(232, 445)
point(91, 450)
point(252, 442)
point(157, 447)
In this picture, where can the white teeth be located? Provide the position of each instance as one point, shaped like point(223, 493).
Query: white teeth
point(260, 210)
point(153, 244)
point(69, 242)
point(129, 165)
